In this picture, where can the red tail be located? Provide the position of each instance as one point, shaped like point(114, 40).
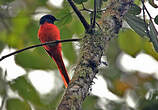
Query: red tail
point(57, 57)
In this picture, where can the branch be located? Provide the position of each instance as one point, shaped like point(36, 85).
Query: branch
point(94, 14)
point(82, 19)
point(38, 45)
point(146, 25)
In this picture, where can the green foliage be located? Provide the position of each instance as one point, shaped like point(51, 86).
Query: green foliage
point(19, 24)
point(112, 52)
point(31, 32)
point(35, 59)
point(130, 42)
point(153, 35)
point(150, 103)
point(68, 48)
point(156, 19)
point(53, 99)
point(77, 27)
point(149, 49)
point(2, 45)
point(137, 2)
point(135, 10)
point(17, 104)
point(69, 52)
point(90, 103)
point(80, 1)
point(64, 17)
point(25, 89)
point(136, 23)
point(5, 1)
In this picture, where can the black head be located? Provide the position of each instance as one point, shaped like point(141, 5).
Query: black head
point(48, 18)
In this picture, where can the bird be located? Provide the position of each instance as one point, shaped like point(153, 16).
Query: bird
point(48, 31)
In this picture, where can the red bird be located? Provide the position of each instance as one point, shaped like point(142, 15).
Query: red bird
point(50, 32)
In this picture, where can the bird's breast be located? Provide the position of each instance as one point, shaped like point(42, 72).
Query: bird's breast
point(48, 32)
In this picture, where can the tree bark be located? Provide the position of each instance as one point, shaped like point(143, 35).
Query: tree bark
point(92, 48)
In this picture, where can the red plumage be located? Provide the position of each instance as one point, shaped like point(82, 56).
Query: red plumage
point(49, 32)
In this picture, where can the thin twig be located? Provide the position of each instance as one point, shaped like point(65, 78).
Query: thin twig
point(85, 9)
point(99, 26)
point(146, 26)
point(94, 14)
point(149, 16)
point(38, 45)
point(82, 19)
point(101, 10)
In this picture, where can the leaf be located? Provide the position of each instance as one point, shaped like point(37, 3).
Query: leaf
point(90, 103)
point(130, 42)
point(152, 3)
point(149, 49)
point(25, 89)
point(14, 41)
point(149, 103)
point(69, 52)
point(2, 45)
point(156, 19)
point(153, 35)
point(36, 59)
point(67, 48)
point(112, 53)
point(16, 37)
point(31, 33)
point(20, 22)
point(17, 104)
point(79, 1)
point(136, 23)
point(137, 2)
point(64, 16)
point(54, 98)
point(77, 27)
point(134, 9)
point(5, 1)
